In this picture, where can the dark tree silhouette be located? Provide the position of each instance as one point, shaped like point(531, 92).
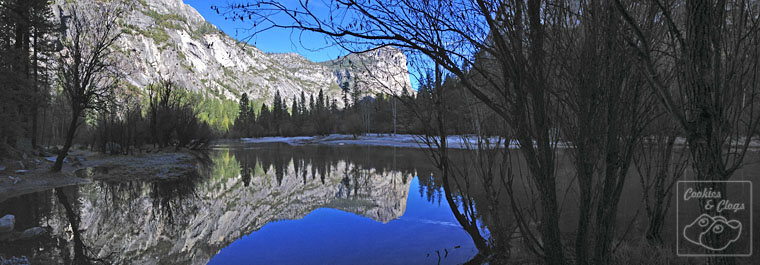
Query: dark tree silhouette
point(86, 67)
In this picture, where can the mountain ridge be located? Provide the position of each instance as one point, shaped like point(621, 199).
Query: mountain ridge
point(170, 39)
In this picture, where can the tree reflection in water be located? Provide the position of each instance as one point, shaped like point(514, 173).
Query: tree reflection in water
point(82, 253)
point(243, 188)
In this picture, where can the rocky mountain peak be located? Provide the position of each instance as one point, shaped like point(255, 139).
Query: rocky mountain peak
point(171, 39)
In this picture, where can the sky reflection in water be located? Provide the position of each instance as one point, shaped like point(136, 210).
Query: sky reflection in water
point(330, 236)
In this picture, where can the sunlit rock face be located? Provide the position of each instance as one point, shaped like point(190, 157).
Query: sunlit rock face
point(171, 39)
point(184, 222)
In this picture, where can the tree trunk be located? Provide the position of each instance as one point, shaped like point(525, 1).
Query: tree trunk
point(35, 98)
point(69, 139)
point(585, 176)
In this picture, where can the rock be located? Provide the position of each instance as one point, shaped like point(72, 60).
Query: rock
point(14, 179)
point(2, 168)
point(32, 232)
point(24, 156)
point(7, 223)
point(21, 171)
point(37, 161)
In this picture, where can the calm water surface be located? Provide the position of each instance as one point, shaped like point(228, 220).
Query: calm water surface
point(255, 204)
point(282, 204)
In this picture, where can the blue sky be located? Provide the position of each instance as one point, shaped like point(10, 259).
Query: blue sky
point(310, 45)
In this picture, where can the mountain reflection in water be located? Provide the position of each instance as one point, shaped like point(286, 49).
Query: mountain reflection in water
point(254, 204)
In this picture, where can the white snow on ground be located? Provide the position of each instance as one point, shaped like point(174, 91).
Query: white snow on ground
point(398, 140)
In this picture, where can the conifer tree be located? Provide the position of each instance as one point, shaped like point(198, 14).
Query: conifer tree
point(244, 105)
point(302, 106)
point(320, 101)
point(311, 104)
point(277, 107)
point(294, 108)
point(265, 118)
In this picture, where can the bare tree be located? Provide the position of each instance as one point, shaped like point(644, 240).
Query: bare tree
point(660, 166)
point(86, 65)
point(714, 47)
point(434, 124)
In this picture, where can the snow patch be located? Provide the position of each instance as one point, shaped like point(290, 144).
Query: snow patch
point(398, 140)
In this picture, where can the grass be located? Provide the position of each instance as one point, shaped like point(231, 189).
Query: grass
point(166, 20)
point(202, 30)
point(228, 72)
point(189, 68)
point(181, 55)
point(157, 34)
point(127, 31)
point(228, 88)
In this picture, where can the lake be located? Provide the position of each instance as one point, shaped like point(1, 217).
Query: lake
point(274, 203)
point(256, 204)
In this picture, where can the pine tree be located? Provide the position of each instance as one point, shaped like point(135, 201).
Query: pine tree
point(294, 108)
point(355, 93)
point(320, 102)
point(43, 28)
point(302, 106)
point(327, 103)
point(277, 107)
point(241, 122)
point(244, 107)
point(311, 104)
point(265, 118)
point(334, 106)
point(25, 49)
point(346, 104)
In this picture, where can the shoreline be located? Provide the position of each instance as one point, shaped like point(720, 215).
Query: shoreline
point(388, 140)
point(89, 167)
point(410, 141)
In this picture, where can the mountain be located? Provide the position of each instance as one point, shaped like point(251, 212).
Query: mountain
point(170, 38)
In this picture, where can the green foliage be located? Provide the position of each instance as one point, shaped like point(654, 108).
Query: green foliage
point(220, 114)
point(157, 34)
point(227, 87)
point(228, 72)
point(202, 30)
point(166, 20)
point(225, 164)
point(181, 55)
